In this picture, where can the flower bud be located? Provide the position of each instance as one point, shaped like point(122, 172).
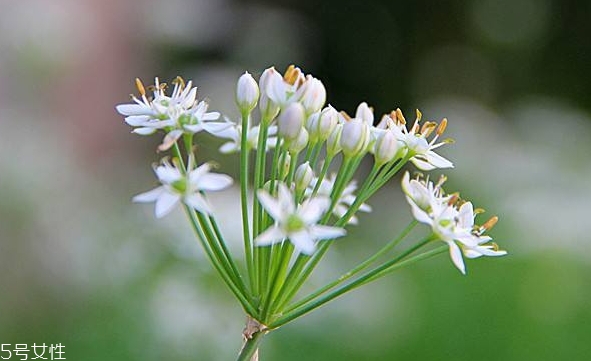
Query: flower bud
point(303, 177)
point(268, 107)
point(355, 137)
point(299, 143)
point(320, 125)
point(386, 148)
point(312, 95)
point(247, 93)
point(333, 143)
point(291, 121)
point(365, 113)
point(284, 167)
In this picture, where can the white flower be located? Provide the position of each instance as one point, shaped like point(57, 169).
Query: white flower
point(449, 223)
point(283, 90)
point(298, 223)
point(234, 133)
point(187, 188)
point(175, 114)
point(344, 202)
point(415, 140)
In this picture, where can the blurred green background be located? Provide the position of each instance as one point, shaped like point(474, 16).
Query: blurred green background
point(80, 265)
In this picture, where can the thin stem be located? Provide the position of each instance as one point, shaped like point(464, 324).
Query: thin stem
point(244, 201)
point(215, 262)
point(368, 277)
point(362, 266)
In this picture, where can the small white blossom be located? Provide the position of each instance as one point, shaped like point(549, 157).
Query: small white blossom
point(415, 140)
point(175, 114)
point(187, 188)
point(298, 223)
point(449, 223)
point(344, 202)
point(234, 133)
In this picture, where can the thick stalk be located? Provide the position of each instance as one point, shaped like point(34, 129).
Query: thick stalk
point(249, 351)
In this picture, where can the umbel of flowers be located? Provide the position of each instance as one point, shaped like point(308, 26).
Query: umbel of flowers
point(304, 200)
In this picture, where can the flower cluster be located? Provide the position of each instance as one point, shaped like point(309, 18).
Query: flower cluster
point(451, 220)
point(177, 114)
point(298, 187)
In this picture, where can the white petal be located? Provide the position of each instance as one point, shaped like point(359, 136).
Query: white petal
point(198, 203)
point(312, 209)
point(270, 204)
point(303, 242)
point(136, 120)
point(229, 147)
point(418, 213)
point(286, 200)
point(193, 128)
point(214, 182)
point(466, 215)
point(133, 109)
point(210, 116)
point(149, 196)
point(456, 256)
point(167, 174)
point(144, 131)
point(421, 164)
point(326, 232)
point(170, 139)
point(437, 160)
point(216, 128)
point(165, 203)
point(272, 235)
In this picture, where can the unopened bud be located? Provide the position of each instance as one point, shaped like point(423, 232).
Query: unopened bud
point(247, 93)
point(291, 121)
point(355, 137)
point(303, 176)
point(320, 125)
point(386, 148)
point(299, 143)
point(312, 95)
point(284, 167)
point(365, 113)
point(333, 143)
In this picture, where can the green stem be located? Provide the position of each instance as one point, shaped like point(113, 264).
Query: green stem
point(372, 275)
point(244, 201)
point(362, 266)
point(250, 347)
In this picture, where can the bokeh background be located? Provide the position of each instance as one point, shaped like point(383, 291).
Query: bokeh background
point(80, 265)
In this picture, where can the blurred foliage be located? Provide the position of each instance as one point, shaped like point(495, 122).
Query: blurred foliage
point(111, 284)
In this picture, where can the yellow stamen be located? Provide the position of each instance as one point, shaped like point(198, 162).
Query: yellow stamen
point(345, 115)
point(427, 128)
point(419, 115)
point(442, 126)
point(488, 225)
point(180, 81)
point(400, 116)
point(292, 74)
point(140, 87)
